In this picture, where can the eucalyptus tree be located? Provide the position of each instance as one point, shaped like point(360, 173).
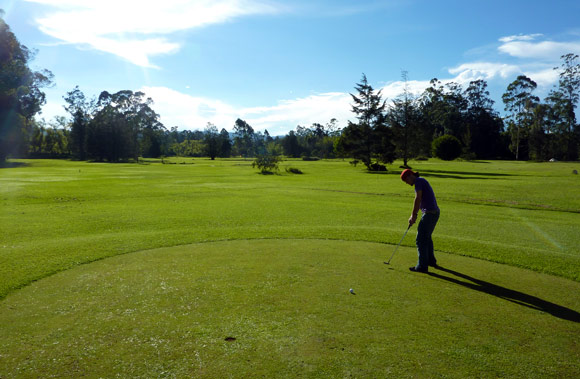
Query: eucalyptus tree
point(211, 141)
point(520, 103)
point(291, 145)
point(21, 96)
point(244, 138)
point(483, 124)
point(80, 108)
point(541, 142)
point(564, 100)
point(225, 149)
point(118, 121)
point(443, 108)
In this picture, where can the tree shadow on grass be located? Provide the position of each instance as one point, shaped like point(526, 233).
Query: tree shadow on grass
point(509, 295)
point(467, 173)
point(463, 174)
point(13, 164)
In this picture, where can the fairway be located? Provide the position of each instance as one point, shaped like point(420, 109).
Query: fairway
point(282, 308)
point(207, 269)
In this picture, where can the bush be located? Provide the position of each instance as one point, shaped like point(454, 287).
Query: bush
point(267, 163)
point(446, 147)
point(377, 167)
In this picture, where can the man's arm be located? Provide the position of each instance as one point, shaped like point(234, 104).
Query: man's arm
point(416, 205)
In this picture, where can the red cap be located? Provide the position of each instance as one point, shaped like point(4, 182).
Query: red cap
point(406, 173)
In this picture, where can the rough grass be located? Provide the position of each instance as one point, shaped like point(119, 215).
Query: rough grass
point(282, 308)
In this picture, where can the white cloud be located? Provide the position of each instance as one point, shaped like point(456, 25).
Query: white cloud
point(543, 77)
point(534, 57)
point(394, 89)
point(547, 50)
point(468, 72)
point(287, 114)
point(132, 29)
point(191, 112)
point(520, 37)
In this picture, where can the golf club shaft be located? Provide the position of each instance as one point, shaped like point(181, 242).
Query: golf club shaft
point(392, 255)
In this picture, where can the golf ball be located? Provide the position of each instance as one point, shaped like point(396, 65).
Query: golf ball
point(351, 290)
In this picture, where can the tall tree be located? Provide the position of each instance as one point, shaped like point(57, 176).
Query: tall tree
point(225, 148)
point(483, 124)
point(540, 143)
point(564, 100)
point(443, 109)
point(520, 102)
point(369, 139)
point(211, 139)
point(80, 109)
point(118, 121)
point(244, 138)
point(399, 116)
point(404, 120)
point(20, 91)
point(290, 144)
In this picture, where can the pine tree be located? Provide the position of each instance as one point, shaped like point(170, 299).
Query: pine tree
point(369, 139)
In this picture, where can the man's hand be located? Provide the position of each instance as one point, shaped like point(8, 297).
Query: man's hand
point(412, 219)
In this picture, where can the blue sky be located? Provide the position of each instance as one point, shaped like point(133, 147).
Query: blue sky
point(279, 64)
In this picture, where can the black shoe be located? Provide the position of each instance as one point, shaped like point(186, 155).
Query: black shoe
point(415, 269)
point(435, 265)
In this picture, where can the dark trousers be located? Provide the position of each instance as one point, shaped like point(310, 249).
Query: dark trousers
point(424, 241)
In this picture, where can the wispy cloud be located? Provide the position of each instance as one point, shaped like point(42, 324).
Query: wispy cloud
point(527, 46)
point(520, 37)
point(137, 30)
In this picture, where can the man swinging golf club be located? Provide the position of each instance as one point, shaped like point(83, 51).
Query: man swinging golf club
point(426, 202)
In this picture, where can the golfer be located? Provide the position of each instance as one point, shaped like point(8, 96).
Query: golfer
point(426, 202)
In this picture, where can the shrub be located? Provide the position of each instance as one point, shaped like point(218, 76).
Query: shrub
point(377, 167)
point(267, 163)
point(446, 147)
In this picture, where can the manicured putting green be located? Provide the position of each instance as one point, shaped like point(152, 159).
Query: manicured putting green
point(282, 308)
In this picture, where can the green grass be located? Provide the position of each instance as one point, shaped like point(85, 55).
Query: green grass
point(282, 308)
point(277, 282)
point(58, 214)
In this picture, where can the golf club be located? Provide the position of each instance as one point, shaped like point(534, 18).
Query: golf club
point(389, 261)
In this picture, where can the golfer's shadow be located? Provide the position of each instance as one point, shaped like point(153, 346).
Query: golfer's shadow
point(509, 295)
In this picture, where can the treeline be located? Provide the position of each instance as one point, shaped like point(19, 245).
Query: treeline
point(446, 120)
point(123, 127)
point(449, 121)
